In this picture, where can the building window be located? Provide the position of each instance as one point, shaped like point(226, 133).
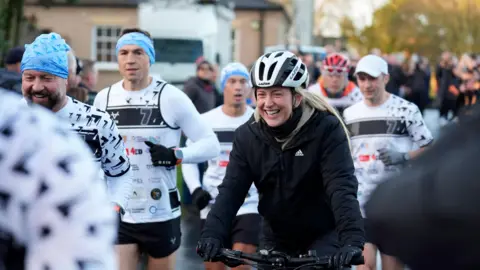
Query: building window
point(106, 37)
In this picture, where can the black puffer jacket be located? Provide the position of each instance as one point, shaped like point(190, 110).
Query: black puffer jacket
point(306, 190)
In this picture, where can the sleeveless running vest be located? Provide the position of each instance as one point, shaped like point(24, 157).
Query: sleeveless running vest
point(139, 118)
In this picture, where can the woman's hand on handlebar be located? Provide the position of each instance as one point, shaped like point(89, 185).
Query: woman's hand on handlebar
point(346, 255)
point(208, 248)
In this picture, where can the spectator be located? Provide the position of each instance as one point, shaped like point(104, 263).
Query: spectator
point(308, 60)
point(79, 93)
point(398, 78)
point(418, 91)
point(445, 78)
point(10, 76)
point(353, 65)
point(200, 88)
point(218, 94)
point(13, 59)
point(73, 69)
point(89, 78)
point(465, 86)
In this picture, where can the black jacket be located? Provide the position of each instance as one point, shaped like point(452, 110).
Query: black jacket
point(10, 80)
point(306, 191)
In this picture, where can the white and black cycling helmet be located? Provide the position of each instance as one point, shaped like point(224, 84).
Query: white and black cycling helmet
point(280, 68)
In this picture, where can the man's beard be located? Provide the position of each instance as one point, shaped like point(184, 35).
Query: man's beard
point(49, 103)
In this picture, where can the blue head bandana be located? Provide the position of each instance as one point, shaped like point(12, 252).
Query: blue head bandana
point(233, 69)
point(140, 40)
point(47, 53)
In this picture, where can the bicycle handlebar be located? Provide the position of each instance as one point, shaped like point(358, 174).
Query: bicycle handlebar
point(278, 259)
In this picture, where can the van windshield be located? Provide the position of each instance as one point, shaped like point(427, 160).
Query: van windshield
point(168, 50)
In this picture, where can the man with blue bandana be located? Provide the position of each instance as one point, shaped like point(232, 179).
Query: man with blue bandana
point(151, 116)
point(44, 70)
point(235, 84)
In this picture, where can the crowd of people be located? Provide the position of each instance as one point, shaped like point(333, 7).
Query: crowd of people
point(294, 152)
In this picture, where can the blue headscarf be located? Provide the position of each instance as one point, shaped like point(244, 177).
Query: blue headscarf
point(140, 40)
point(47, 53)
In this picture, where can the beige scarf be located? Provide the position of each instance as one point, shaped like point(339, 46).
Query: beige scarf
point(307, 112)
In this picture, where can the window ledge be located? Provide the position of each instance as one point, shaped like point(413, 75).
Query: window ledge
point(106, 66)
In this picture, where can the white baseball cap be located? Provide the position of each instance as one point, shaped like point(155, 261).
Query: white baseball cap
point(372, 65)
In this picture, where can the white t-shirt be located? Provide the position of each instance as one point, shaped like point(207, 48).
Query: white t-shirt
point(159, 113)
point(396, 124)
point(224, 127)
point(99, 131)
point(51, 201)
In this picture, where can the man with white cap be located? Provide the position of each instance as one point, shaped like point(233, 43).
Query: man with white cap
point(45, 71)
point(386, 131)
point(235, 83)
point(151, 115)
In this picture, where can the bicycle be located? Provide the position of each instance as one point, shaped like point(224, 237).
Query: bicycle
point(273, 260)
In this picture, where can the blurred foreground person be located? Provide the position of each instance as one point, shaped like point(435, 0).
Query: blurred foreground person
point(428, 216)
point(54, 211)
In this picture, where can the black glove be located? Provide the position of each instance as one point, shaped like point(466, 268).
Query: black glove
point(161, 155)
point(208, 248)
point(343, 257)
point(391, 157)
point(201, 198)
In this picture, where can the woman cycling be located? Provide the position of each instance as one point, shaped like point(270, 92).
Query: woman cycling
point(296, 151)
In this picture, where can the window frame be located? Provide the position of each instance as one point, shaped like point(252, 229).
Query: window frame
point(104, 65)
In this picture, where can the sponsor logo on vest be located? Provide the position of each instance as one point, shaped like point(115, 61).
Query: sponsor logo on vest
point(156, 194)
point(138, 180)
point(133, 151)
point(155, 180)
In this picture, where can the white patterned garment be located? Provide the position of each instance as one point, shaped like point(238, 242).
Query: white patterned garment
point(100, 132)
point(397, 124)
point(54, 211)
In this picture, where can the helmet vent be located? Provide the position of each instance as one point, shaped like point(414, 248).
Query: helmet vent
point(270, 70)
point(261, 71)
point(299, 75)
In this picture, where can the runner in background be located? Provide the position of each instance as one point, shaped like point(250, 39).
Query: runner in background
point(334, 84)
point(386, 131)
point(235, 84)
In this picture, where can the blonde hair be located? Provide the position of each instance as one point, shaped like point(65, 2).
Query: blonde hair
point(317, 102)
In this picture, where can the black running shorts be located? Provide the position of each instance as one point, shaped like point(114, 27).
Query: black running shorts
point(157, 239)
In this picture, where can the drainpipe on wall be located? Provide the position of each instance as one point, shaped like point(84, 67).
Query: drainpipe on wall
point(261, 31)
